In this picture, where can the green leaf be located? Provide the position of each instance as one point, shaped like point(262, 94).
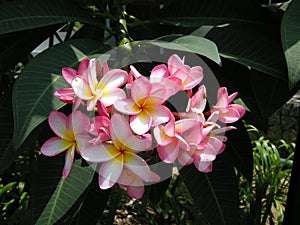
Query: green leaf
point(155, 192)
point(214, 193)
point(250, 49)
point(290, 37)
point(14, 47)
point(33, 90)
point(239, 145)
point(52, 195)
point(7, 187)
point(7, 155)
point(26, 15)
point(190, 43)
point(93, 204)
point(214, 12)
point(245, 33)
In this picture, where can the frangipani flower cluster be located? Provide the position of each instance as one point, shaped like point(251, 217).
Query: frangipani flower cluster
point(132, 117)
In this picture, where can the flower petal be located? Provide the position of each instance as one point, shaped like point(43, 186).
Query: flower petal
point(102, 110)
point(110, 96)
point(169, 153)
point(65, 92)
point(57, 121)
point(135, 72)
point(92, 74)
point(97, 153)
point(230, 116)
point(54, 146)
point(194, 77)
point(81, 88)
point(202, 166)
point(110, 172)
point(159, 94)
point(133, 184)
point(79, 123)
point(113, 79)
point(232, 97)
point(159, 72)
point(174, 63)
point(161, 137)
point(92, 102)
point(137, 165)
point(141, 122)
point(127, 106)
point(69, 74)
point(184, 158)
point(83, 67)
point(137, 144)
point(207, 154)
point(140, 89)
point(159, 114)
point(136, 192)
point(198, 102)
point(222, 97)
point(119, 130)
point(239, 108)
point(69, 160)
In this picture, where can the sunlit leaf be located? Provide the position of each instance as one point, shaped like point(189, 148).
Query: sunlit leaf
point(52, 195)
point(239, 145)
point(290, 37)
point(191, 43)
point(215, 193)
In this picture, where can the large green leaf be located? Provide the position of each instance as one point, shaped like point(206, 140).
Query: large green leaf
point(214, 193)
point(93, 204)
point(25, 15)
point(15, 46)
point(33, 90)
point(239, 145)
point(245, 33)
point(7, 155)
point(53, 196)
point(214, 12)
point(290, 37)
point(250, 49)
point(190, 43)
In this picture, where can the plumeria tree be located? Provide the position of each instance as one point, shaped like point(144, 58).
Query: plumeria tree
point(99, 105)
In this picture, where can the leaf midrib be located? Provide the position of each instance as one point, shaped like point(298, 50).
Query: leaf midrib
point(229, 19)
point(215, 197)
point(33, 107)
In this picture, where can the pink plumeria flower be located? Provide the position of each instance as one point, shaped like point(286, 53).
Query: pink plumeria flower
point(197, 102)
point(119, 156)
point(100, 128)
point(145, 105)
point(133, 184)
point(101, 85)
point(195, 107)
point(169, 139)
point(160, 74)
point(67, 94)
point(101, 125)
point(189, 76)
point(67, 129)
point(211, 143)
point(228, 113)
